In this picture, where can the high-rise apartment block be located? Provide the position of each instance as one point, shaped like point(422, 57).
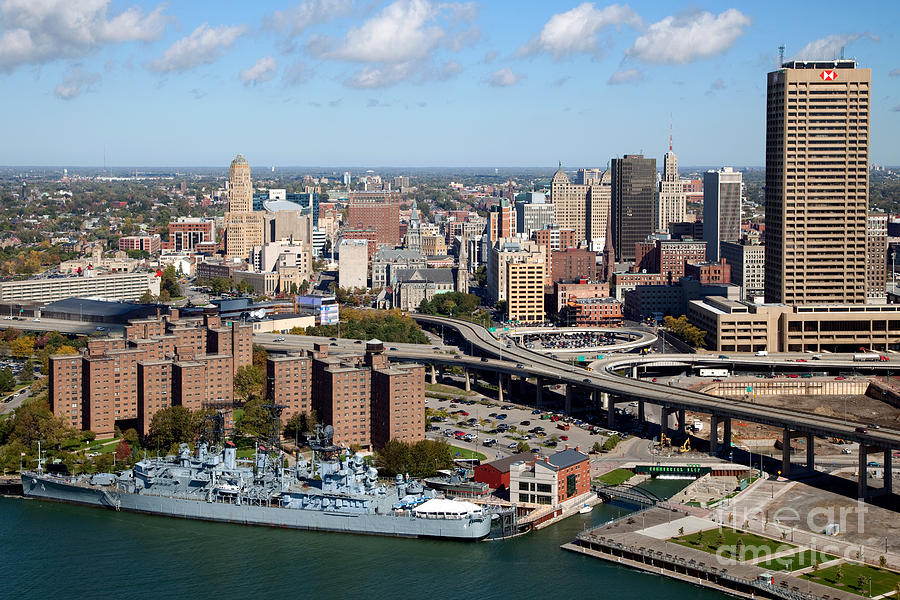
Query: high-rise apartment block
point(582, 207)
point(633, 202)
point(721, 209)
point(160, 362)
point(353, 263)
point(367, 400)
point(671, 203)
point(516, 272)
point(876, 258)
point(243, 226)
point(817, 186)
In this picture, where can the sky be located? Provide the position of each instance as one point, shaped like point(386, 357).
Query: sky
point(417, 82)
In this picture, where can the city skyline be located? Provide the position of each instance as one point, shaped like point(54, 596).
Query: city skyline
point(415, 83)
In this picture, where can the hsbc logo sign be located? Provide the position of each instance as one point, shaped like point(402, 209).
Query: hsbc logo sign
point(828, 75)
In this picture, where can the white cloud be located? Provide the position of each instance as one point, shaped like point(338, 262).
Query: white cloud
point(296, 73)
point(262, 71)
point(298, 19)
point(76, 82)
point(41, 31)
point(203, 46)
point(383, 76)
point(829, 47)
point(625, 76)
point(505, 77)
point(449, 70)
point(575, 31)
point(683, 39)
point(402, 31)
point(401, 42)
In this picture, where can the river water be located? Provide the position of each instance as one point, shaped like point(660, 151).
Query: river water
point(60, 551)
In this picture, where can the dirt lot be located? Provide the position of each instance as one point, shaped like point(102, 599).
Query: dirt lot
point(824, 498)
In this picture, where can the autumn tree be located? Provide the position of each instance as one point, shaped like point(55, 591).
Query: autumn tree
point(123, 450)
point(249, 383)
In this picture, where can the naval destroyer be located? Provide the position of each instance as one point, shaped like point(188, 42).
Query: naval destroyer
point(335, 491)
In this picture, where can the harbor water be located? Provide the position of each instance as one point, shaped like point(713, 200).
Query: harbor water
point(61, 551)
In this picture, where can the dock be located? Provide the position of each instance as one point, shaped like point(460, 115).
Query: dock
point(640, 541)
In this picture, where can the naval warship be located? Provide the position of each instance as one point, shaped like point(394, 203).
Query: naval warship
point(335, 491)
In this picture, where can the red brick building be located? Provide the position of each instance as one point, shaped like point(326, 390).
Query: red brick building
point(377, 212)
point(159, 362)
point(709, 272)
point(148, 243)
point(573, 264)
point(496, 473)
point(186, 233)
point(593, 312)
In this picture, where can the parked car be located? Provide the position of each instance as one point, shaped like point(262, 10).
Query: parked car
point(564, 438)
point(512, 446)
point(279, 339)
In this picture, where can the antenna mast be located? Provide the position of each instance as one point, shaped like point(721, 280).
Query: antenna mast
point(780, 56)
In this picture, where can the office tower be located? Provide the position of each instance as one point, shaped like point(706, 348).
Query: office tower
point(876, 258)
point(243, 227)
point(533, 213)
point(721, 209)
point(747, 262)
point(599, 203)
point(670, 207)
point(582, 207)
point(633, 201)
point(817, 187)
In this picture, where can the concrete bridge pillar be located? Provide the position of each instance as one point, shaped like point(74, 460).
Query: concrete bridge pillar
point(810, 452)
point(468, 387)
point(641, 416)
point(433, 375)
point(663, 423)
point(570, 392)
point(888, 472)
point(785, 452)
point(539, 400)
point(681, 416)
point(634, 372)
point(726, 433)
point(713, 434)
point(604, 400)
point(610, 413)
point(500, 387)
point(862, 489)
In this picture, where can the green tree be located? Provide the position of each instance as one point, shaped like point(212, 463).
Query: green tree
point(7, 380)
point(146, 297)
point(418, 459)
point(610, 443)
point(249, 383)
point(839, 573)
point(682, 329)
point(597, 447)
point(254, 420)
point(882, 561)
point(170, 426)
point(523, 447)
point(304, 286)
point(164, 295)
point(22, 346)
point(481, 276)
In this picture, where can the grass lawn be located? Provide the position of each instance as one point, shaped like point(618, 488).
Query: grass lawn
point(446, 389)
point(882, 581)
point(463, 453)
point(615, 477)
point(753, 545)
point(800, 560)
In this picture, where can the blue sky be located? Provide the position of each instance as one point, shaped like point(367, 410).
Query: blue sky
point(416, 82)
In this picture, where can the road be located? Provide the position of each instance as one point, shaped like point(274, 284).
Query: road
point(604, 380)
point(60, 325)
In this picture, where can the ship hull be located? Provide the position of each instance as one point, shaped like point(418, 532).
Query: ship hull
point(59, 490)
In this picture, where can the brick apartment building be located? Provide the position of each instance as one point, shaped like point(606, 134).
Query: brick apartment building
point(367, 400)
point(187, 233)
point(148, 243)
point(161, 361)
point(573, 263)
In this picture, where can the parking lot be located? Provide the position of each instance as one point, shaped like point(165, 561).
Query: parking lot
point(497, 430)
point(569, 341)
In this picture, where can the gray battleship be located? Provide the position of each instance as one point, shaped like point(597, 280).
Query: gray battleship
point(335, 491)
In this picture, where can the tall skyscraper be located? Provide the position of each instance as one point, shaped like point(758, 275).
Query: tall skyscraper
point(581, 207)
point(633, 201)
point(876, 258)
point(243, 227)
point(721, 209)
point(670, 206)
point(817, 186)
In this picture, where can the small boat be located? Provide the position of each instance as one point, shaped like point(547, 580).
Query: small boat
point(585, 509)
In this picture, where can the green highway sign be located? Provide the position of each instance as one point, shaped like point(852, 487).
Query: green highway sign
point(492, 329)
point(749, 389)
point(580, 359)
point(599, 357)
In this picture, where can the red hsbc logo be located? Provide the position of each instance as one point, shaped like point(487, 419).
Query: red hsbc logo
point(828, 75)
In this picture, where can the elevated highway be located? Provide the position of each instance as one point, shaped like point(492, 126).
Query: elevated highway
point(615, 388)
